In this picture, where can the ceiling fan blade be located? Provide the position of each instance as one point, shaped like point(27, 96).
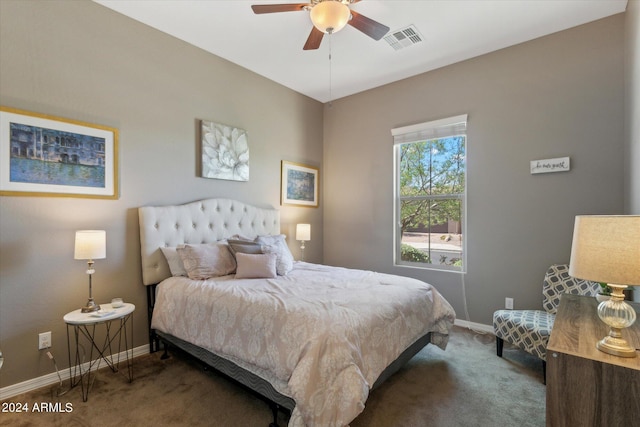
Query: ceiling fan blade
point(314, 39)
point(273, 8)
point(373, 29)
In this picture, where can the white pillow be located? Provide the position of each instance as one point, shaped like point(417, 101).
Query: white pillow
point(174, 261)
point(256, 266)
point(278, 245)
point(207, 260)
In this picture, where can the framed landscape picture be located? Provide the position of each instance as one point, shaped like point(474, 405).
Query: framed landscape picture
point(299, 185)
point(43, 155)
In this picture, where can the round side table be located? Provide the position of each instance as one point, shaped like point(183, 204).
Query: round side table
point(115, 338)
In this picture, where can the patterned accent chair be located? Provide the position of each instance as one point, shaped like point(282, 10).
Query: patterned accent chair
point(530, 329)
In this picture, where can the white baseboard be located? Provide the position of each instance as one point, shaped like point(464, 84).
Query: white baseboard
point(52, 378)
point(474, 326)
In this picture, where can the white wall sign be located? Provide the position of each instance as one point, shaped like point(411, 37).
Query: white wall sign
point(561, 164)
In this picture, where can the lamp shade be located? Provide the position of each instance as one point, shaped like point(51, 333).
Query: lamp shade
point(90, 244)
point(303, 232)
point(606, 248)
point(330, 16)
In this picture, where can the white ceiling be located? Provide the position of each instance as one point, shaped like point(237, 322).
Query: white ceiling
point(271, 44)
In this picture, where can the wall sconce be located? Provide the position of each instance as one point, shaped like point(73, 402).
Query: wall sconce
point(303, 234)
point(607, 249)
point(90, 245)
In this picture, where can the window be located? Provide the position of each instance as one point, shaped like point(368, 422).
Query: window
point(430, 189)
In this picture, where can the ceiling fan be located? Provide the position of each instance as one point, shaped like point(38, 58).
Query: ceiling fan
point(328, 17)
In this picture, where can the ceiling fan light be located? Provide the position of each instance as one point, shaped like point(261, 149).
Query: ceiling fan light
point(330, 16)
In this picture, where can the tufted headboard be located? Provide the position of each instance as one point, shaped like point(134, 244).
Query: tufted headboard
point(203, 221)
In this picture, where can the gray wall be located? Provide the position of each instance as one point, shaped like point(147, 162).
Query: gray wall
point(82, 61)
point(632, 110)
point(561, 95)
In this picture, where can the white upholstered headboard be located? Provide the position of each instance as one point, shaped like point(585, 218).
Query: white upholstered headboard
point(204, 221)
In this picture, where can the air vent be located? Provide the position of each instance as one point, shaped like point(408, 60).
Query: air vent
point(405, 37)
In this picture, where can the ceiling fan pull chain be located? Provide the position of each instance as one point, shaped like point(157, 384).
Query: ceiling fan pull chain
point(330, 73)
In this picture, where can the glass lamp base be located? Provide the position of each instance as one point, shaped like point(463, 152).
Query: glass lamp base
point(616, 313)
point(90, 307)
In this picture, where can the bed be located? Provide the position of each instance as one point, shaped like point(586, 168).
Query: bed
point(314, 340)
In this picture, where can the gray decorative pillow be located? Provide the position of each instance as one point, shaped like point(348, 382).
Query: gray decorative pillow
point(256, 266)
point(207, 260)
point(245, 247)
point(174, 260)
point(278, 245)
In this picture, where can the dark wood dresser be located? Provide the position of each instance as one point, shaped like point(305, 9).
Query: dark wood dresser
point(586, 387)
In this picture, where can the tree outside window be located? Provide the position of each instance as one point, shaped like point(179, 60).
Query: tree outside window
point(431, 188)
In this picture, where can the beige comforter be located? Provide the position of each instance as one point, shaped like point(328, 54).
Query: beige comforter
point(321, 335)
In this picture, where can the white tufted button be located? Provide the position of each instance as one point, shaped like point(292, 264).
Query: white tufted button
point(156, 225)
point(193, 225)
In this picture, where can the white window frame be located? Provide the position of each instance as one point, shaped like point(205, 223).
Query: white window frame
point(437, 129)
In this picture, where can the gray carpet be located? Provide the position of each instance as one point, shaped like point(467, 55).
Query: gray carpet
point(466, 385)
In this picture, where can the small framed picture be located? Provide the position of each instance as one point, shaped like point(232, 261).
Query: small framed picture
point(299, 185)
point(42, 155)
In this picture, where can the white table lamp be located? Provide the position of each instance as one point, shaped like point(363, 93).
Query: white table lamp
point(303, 234)
point(90, 245)
point(607, 249)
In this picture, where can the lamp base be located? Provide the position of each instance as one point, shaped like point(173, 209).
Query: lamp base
point(90, 307)
point(616, 313)
point(616, 346)
point(302, 250)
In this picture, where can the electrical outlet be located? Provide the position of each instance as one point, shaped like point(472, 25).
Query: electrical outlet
point(44, 340)
point(508, 303)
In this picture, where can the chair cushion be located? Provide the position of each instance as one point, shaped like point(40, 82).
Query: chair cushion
point(527, 329)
